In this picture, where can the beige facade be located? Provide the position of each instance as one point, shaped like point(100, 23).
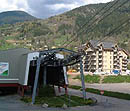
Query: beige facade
point(104, 56)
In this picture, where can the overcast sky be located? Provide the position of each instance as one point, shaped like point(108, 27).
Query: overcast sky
point(44, 8)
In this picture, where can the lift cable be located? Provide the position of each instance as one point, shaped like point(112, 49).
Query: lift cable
point(102, 16)
point(97, 13)
point(99, 21)
point(118, 28)
point(97, 18)
point(88, 31)
point(93, 17)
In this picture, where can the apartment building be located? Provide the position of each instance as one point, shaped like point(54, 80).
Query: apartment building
point(104, 56)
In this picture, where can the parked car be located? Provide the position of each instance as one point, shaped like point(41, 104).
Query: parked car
point(100, 73)
point(128, 72)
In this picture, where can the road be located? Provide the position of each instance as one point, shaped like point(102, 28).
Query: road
point(115, 87)
point(13, 103)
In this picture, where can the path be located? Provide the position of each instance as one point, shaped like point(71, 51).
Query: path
point(115, 87)
point(13, 103)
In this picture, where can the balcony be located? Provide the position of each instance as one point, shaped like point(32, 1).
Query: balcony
point(100, 59)
point(100, 64)
point(100, 67)
point(87, 70)
point(87, 56)
point(93, 59)
point(93, 64)
point(115, 59)
point(89, 59)
point(93, 68)
point(124, 59)
point(120, 56)
point(90, 51)
point(89, 67)
point(100, 49)
point(124, 68)
point(100, 55)
point(118, 62)
point(115, 63)
point(124, 62)
point(86, 62)
point(93, 54)
point(115, 55)
point(89, 63)
point(124, 65)
point(115, 50)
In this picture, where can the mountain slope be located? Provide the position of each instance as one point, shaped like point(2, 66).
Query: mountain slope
point(56, 30)
point(11, 17)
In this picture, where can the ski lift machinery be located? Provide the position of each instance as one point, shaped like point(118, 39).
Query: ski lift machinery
point(53, 58)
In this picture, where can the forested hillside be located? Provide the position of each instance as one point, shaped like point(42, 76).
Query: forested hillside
point(11, 17)
point(60, 29)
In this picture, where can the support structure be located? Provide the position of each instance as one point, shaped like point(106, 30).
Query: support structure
point(44, 77)
point(36, 80)
point(49, 58)
point(82, 78)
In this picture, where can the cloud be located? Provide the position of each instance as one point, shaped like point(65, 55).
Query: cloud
point(44, 8)
point(9, 5)
point(96, 1)
point(47, 8)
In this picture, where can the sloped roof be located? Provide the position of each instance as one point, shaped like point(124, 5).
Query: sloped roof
point(124, 51)
point(18, 50)
point(106, 45)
